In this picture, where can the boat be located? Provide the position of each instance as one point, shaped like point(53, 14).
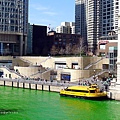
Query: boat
point(87, 92)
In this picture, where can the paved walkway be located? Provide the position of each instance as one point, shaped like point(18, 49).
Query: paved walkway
point(102, 85)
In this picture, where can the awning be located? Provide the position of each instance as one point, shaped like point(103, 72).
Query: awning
point(57, 62)
point(67, 73)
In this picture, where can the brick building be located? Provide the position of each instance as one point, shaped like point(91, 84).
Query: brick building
point(61, 40)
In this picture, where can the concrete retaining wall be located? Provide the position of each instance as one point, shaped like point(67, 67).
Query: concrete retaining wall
point(30, 85)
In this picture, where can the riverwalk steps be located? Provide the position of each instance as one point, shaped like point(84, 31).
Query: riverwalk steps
point(30, 84)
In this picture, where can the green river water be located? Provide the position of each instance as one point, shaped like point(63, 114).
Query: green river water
point(25, 104)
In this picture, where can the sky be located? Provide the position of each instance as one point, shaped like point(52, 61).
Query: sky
point(51, 12)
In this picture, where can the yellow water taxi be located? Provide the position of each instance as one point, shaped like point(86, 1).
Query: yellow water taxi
point(89, 92)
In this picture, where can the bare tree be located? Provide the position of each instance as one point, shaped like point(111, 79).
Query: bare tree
point(62, 51)
point(75, 49)
point(54, 50)
point(82, 47)
point(68, 49)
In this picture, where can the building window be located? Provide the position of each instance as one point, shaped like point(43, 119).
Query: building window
point(111, 61)
point(102, 47)
point(9, 75)
point(111, 55)
point(111, 67)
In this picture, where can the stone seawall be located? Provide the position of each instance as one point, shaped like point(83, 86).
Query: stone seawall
point(26, 84)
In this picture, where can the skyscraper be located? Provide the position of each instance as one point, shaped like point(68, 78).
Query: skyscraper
point(93, 23)
point(110, 9)
point(87, 21)
point(13, 27)
point(80, 19)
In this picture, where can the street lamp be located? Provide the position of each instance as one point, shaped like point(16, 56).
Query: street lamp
point(40, 71)
point(109, 74)
point(8, 49)
point(94, 75)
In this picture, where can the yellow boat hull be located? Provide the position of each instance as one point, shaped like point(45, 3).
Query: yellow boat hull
point(102, 95)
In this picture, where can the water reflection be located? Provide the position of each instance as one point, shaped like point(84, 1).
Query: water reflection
point(89, 109)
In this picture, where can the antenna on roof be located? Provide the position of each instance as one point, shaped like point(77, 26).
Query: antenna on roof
point(49, 28)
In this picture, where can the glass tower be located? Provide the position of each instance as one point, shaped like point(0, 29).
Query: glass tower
point(87, 21)
point(13, 27)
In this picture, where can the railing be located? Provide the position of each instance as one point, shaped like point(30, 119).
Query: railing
point(45, 60)
point(91, 64)
point(41, 73)
point(12, 71)
point(100, 73)
point(31, 63)
point(26, 61)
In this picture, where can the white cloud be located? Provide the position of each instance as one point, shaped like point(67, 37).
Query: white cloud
point(44, 10)
point(38, 7)
point(50, 13)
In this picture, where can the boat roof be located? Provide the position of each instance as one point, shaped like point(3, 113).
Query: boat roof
point(81, 88)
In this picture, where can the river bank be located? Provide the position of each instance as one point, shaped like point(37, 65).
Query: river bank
point(34, 85)
point(53, 86)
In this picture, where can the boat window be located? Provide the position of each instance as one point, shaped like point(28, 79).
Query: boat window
point(94, 86)
point(82, 91)
point(92, 91)
point(85, 91)
point(66, 88)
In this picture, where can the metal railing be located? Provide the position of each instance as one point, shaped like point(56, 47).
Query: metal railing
point(91, 64)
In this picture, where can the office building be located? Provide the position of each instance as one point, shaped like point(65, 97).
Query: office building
point(62, 43)
point(39, 40)
point(13, 27)
point(80, 19)
point(96, 18)
point(93, 24)
point(110, 9)
point(66, 27)
point(87, 21)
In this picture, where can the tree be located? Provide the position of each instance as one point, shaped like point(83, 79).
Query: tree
point(82, 46)
point(62, 51)
point(54, 50)
point(75, 49)
point(68, 49)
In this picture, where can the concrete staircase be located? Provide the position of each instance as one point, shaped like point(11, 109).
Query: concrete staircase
point(41, 72)
point(18, 61)
point(11, 71)
point(26, 61)
point(100, 73)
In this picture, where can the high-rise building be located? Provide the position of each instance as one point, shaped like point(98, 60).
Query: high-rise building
point(110, 9)
point(96, 18)
point(13, 27)
point(66, 27)
point(87, 21)
point(93, 23)
point(80, 19)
